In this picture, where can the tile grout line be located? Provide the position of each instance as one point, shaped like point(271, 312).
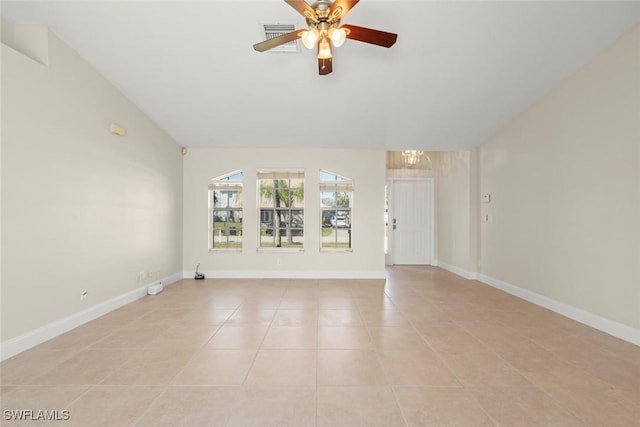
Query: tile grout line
point(453, 372)
point(384, 371)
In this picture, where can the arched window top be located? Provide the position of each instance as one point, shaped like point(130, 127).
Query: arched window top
point(231, 181)
point(330, 181)
point(326, 176)
point(236, 176)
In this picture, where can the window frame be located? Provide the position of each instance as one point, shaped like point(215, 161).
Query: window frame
point(293, 215)
point(340, 184)
point(224, 183)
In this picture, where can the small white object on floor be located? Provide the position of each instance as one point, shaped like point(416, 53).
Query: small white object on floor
point(155, 289)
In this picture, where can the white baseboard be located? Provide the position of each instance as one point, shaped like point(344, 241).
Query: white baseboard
point(51, 330)
point(619, 330)
point(457, 270)
point(610, 327)
point(289, 274)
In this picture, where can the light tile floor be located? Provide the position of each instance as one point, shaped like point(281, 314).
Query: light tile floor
point(424, 347)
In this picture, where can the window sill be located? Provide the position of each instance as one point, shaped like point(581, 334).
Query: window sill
point(280, 250)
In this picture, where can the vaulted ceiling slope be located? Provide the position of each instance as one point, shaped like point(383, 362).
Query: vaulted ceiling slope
point(459, 72)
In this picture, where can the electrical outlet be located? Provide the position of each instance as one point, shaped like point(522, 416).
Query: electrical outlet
point(141, 276)
point(83, 294)
point(150, 274)
point(279, 262)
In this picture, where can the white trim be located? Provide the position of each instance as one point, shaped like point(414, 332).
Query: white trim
point(611, 327)
point(471, 275)
point(51, 330)
point(289, 274)
point(619, 330)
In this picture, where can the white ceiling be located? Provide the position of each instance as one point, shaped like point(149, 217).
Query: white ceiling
point(459, 72)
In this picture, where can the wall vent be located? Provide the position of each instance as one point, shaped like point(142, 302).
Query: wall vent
point(274, 30)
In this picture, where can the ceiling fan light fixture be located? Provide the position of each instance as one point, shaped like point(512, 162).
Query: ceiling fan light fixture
point(309, 38)
point(337, 36)
point(324, 49)
point(324, 31)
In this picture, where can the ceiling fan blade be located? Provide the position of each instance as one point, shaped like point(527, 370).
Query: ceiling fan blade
point(325, 66)
point(302, 7)
point(277, 41)
point(367, 35)
point(345, 5)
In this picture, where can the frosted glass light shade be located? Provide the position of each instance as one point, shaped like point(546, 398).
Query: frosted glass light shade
point(338, 36)
point(324, 49)
point(309, 38)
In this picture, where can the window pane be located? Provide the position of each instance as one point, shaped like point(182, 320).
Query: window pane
point(343, 199)
point(343, 239)
point(336, 238)
point(266, 187)
point(219, 217)
point(235, 177)
point(283, 195)
point(227, 229)
point(326, 217)
point(220, 199)
point(328, 199)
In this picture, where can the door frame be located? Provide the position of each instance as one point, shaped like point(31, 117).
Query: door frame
point(389, 182)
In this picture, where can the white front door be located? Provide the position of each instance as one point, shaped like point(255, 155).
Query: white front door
point(411, 222)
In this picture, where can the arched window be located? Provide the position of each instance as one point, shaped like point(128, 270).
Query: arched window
point(336, 202)
point(225, 211)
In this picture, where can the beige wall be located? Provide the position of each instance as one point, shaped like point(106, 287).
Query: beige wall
point(456, 210)
point(81, 208)
point(365, 167)
point(564, 178)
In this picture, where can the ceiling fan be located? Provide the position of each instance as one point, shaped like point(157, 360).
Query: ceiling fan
point(323, 19)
